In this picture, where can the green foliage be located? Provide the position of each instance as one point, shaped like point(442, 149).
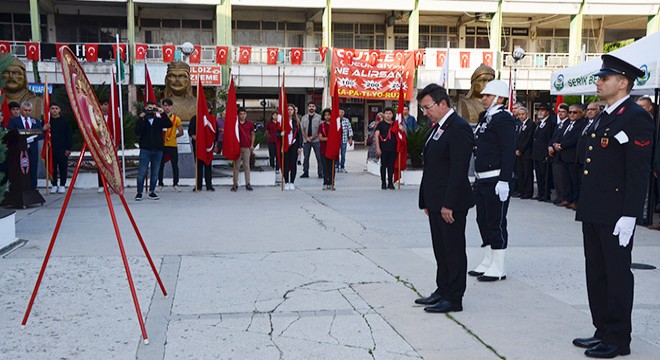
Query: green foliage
point(416, 140)
point(611, 46)
point(572, 99)
point(260, 137)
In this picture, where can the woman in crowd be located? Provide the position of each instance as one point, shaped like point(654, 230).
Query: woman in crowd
point(385, 139)
point(294, 139)
point(271, 131)
point(371, 154)
point(323, 139)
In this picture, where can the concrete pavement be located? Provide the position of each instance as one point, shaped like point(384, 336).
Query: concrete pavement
point(308, 274)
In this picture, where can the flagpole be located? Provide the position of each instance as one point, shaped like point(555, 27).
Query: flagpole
point(46, 142)
point(399, 169)
point(121, 116)
point(283, 161)
point(333, 174)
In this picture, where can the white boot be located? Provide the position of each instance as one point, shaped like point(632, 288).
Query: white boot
point(485, 263)
point(496, 270)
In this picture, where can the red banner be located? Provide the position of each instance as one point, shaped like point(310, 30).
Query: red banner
point(140, 51)
point(487, 58)
point(196, 56)
point(244, 55)
point(4, 47)
point(323, 50)
point(221, 54)
point(32, 51)
point(465, 59)
point(357, 78)
point(296, 56)
point(272, 55)
point(58, 46)
point(440, 57)
point(122, 51)
point(92, 52)
point(209, 75)
point(168, 53)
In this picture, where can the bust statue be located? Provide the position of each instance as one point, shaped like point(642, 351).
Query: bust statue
point(470, 107)
point(179, 89)
point(16, 88)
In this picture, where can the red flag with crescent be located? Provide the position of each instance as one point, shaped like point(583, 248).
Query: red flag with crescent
point(92, 52)
point(465, 59)
point(296, 56)
point(419, 57)
point(399, 57)
point(114, 120)
point(272, 55)
point(206, 130)
point(122, 51)
point(231, 148)
point(244, 55)
point(334, 130)
point(168, 53)
point(59, 46)
point(323, 50)
point(440, 57)
point(401, 138)
point(374, 57)
point(283, 117)
point(140, 51)
point(5, 47)
point(5, 109)
point(32, 51)
point(47, 149)
point(196, 56)
point(221, 54)
point(149, 94)
point(487, 58)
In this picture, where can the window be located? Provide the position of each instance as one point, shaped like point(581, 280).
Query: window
point(400, 37)
point(72, 28)
point(359, 36)
point(268, 33)
point(477, 38)
point(436, 36)
point(552, 41)
point(16, 27)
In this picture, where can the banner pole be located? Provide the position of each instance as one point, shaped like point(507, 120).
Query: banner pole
point(399, 170)
point(121, 116)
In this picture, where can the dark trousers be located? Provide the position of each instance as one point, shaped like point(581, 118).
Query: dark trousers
point(289, 166)
point(173, 153)
point(272, 155)
point(515, 179)
point(449, 250)
point(573, 175)
point(526, 177)
point(327, 170)
point(541, 170)
point(560, 179)
point(387, 159)
point(491, 215)
point(60, 164)
point(206, 172)
point(33, 156)
point(307, 149)
point(609, 283)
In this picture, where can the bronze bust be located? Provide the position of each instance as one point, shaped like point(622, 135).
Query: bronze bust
point(179, 89)
point(16, 88)
point(470, 106)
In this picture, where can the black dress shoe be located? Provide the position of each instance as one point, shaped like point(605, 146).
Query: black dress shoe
point(607, 351)
point(304, 175)
point(475, 273)
point(444, 306)
point(390, 186)
point(429, 300)
point(383, 186)
point(485, 278)
point(586, 343)
point(525, 197)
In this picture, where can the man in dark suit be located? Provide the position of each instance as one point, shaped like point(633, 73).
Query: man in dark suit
point(557, 171)
point(545, 128)
point(25, 121)
point(445, 196)
point(566, 152)
point(614, 185)
point(524, 154)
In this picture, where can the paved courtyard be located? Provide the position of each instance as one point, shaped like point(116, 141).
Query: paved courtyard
point(308, 274)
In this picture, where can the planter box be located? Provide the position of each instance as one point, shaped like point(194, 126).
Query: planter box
point(7, 228)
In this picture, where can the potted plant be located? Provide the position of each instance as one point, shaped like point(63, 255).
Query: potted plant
point(416, 140)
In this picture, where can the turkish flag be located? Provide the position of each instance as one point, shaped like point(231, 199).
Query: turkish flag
point(168, 53)
point(401, 137)
point(349, 54)
point(206, 128)
point(440, 57)
point(283, 118)
point(122, 51)
point(149, 94)
point(334, 130)
point(140, 51)
point(296, 56)
point(221, 54)
point(196, 56)
point(59, 46)
point(92, 52)
point(465, 59)
point(244, 55)
point(231, 148)
point(419, 57)
point(374, 57)
point(323, 50)
point(399, 55)
point(272, 55)
point(487, 58)
point(5, 47)
point(32, 51)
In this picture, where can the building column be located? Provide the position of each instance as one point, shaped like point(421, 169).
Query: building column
point(35, 20)
point(130, 31)
point(223, 34)
point(413, 27)
point(327, 25)
point(653, 23)
point(575, 37)
point(495, 39)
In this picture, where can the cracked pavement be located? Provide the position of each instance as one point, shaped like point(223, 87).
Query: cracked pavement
point(305, 274)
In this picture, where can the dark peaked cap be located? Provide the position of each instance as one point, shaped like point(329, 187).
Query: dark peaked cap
point(612, 65)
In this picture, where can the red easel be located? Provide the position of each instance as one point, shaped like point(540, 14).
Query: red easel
point(119, 241)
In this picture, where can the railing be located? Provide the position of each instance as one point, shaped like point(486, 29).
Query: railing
point(18, 48)
point(258, 56)
point(543, 60)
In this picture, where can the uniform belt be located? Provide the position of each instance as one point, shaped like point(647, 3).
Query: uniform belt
point(487, 174)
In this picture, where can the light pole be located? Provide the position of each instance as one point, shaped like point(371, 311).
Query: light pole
point(517, 54)
point(187, 48)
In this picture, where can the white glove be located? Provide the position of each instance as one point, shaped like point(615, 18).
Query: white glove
point(624, 228)
point(502, 189)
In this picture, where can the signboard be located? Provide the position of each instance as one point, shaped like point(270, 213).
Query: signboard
point(210, 75)
point(39, 88)
point(366, 76)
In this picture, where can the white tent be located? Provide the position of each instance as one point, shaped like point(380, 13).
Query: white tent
point(580, 80)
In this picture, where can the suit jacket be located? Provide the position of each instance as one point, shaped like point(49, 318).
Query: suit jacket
point(33, 147)
point(447, 156)
point(556, 138)
point(542, 135)
point(569, 140)
point(496, 145)
point(617, 165)
point(526, 139)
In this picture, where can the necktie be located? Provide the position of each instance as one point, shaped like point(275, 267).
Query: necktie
point(309, 125)
point(27, 123)
point(586, 128)
point(570, 126)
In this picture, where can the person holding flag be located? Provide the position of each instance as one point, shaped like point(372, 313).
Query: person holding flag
point(291, 138)
point(326, 162)
point(202, 131)
point(385, 138)
point(61, 144)
point(402, 140)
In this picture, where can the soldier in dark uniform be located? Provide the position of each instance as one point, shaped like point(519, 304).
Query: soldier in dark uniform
point(524, 154)
point(445, 196)
point(545, 128)
point(614, 184)
point(593, 110)
point(495, 138)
